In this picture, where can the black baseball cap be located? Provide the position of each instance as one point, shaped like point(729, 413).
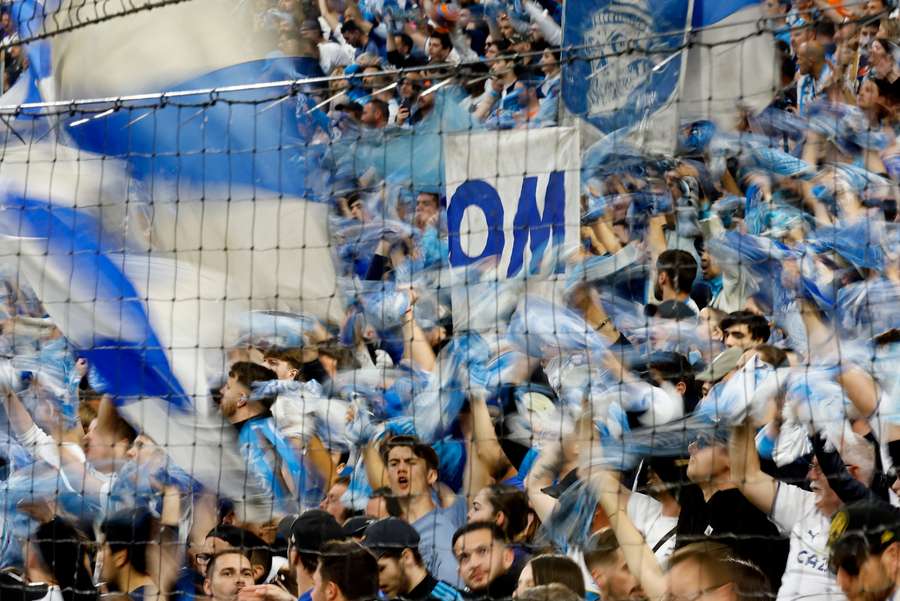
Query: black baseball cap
point(390, 534)
point(357, 525)
point(312, 529)
point(859, 530)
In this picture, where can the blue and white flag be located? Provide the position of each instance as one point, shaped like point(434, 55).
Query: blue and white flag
point(626, 59)
point(732, 65)
point(225, 176)
point(628, 64)
point(138, 318)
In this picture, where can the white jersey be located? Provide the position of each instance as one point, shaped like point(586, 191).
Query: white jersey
point(646, 514)
point(806, 575)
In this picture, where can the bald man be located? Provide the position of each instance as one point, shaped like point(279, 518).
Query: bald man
point(814, 73)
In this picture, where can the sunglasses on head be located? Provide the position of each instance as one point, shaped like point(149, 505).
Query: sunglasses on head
point(848, 554)
point(704, 441)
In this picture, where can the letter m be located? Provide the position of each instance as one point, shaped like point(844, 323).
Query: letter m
point(535, 229)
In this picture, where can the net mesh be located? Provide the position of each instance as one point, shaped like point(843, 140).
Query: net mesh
point(533, 278)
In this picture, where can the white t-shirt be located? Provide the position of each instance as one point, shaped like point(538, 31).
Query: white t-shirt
point(806, 575)
point(333, 55)
point(646, 514)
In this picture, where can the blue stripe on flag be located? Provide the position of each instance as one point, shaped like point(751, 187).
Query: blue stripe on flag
point(233, 139)
point(710, 12)
point(133, 364)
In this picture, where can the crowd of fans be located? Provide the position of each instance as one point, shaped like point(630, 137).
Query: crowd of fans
point(724, 427)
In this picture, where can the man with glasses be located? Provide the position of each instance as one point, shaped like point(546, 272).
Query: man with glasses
point(714, 509)
point(803, 514)
point(865, 556)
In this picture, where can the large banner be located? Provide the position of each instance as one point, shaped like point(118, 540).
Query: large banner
point(627, 59)
point(627, 62)
point(512, 195)
point(513, 213)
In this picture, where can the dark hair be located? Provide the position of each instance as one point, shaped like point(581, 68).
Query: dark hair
point(680, 266)
point(549, 569)
point(211, 566)
point(423, 451)
point(407, 41)
point(352, 568)
point(825, 27)
point(350, 26)
point(444, 39)
point(291, 356)
point(309, 561)
point(247, 373)
point(549, 592)
point(513, 504)
point(62, 549)
point(396, 553)
point(717, 560)
point(756, 324)
point(381, 106)
point(130, 530)
point(602, 548)
point(495, 530)
point(772, 355)
point(390, 501)
point(255, 548)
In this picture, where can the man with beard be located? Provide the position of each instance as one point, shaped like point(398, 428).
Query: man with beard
point(675, 273)
point(485, 561)
point(865, 556)
point(269, 456)
point(605, 561)
point(227, 573)
point(804, 514)
point(401, 571)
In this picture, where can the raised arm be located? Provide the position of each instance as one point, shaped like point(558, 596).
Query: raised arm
point(545, 468)
point(416, 347)
point(330, 17)
point(484, 439)
point(376, 470)
point(758, 487)
point(638, 555)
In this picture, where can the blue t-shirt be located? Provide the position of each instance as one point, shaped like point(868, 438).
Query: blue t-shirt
point(436, 530)
point(307, 596)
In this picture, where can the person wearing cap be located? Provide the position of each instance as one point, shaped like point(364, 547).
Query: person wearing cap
point(331, 54)
point(401, 571)
point(864, 554)
point(724, 363)
point(486, 561)
point(803, 514)
point(410, 468)
point(309, 532)
point(355, 527)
